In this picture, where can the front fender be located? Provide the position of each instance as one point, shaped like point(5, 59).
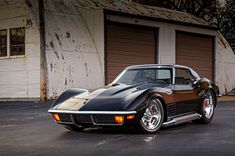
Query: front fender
point(68, 94)
point(141, 101)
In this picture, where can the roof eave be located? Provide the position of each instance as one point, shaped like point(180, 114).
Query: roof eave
point(112, 12)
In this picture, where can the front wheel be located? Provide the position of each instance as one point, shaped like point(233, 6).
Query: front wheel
point(207, 108)
point(152, 119)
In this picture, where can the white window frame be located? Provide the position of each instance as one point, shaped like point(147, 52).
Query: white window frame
point(3, 57)
point(8, 45)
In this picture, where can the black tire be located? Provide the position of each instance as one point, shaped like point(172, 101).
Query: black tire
point(205, 119)
point(74, 128)
point(144, 126)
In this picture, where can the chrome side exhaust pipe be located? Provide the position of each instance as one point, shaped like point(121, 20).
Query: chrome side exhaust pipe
point(182, 119)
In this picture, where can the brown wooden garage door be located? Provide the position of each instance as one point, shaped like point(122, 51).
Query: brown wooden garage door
point(128, 45)
point(195, 51)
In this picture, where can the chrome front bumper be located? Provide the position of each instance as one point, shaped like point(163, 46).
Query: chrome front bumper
point(96, 118)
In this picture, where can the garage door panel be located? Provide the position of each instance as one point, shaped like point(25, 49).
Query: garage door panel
point(139, 42)
point(111, 77)
point(189, 46)
point(129, 58)
point(120, 58)
point(117, 64)
point(194, 57)
point(208, 59)
point(131, 36)
point(128, 46)
point(122, 29)
point(130, 62)
point(206, 70)
point(196, 67)
point(198, 64)
point(138, 53)
point(192, 41)
point(140, 50)
point(205, 73)
point(188, 43)
point(115, 70)
point(136, 62)
point(193, 37)
point(129, 53)
point(195, 51)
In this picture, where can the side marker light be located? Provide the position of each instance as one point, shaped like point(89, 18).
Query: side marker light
point(129, 117)
point(56, 117)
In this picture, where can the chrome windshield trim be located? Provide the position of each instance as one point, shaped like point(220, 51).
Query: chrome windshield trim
point(92, 112)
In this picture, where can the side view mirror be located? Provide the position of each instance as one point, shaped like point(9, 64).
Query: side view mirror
point(194, 82)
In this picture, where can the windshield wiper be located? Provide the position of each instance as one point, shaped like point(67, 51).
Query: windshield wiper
point(115, 84)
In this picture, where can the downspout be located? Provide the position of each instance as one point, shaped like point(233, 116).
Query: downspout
point(43, 63)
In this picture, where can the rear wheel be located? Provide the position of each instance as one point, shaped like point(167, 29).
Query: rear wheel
point(73, 128)
point(207, 108)
point(153, 117)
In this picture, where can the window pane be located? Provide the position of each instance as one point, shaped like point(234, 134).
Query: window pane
point(163, 74)
point(128, 76)
point(145, 75)
point(181, 77)
point(3, 43)
point(17, 41)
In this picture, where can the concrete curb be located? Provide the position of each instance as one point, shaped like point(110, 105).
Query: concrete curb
point(226, 98)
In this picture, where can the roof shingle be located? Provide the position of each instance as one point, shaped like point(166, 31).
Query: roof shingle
point(129, 7)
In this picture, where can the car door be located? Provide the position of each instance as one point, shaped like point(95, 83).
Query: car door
point(186, 99)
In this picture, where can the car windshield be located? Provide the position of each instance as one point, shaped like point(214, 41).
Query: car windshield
point(150, 75)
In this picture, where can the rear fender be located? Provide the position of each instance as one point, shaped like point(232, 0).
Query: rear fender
point(203, 85)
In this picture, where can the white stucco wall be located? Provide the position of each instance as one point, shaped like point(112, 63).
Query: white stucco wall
point(166, 44)
point(225, 65)
point(225, 58)
point(19, 75)
point(74, 47)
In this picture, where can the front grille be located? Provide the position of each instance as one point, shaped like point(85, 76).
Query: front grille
point(104, 119)
point(83, 118)
point(65, 117)
point(96, 118)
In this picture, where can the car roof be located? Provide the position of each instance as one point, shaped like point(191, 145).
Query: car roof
point(157, 66)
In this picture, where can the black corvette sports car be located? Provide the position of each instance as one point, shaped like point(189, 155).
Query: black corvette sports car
point(146, 97)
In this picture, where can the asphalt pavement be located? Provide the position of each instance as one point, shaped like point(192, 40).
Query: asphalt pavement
point(27, 129)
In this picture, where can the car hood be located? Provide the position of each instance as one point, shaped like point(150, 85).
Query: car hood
point(108, 98)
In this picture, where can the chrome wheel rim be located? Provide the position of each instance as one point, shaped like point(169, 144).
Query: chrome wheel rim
point(208, 105)
point(152, 116)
